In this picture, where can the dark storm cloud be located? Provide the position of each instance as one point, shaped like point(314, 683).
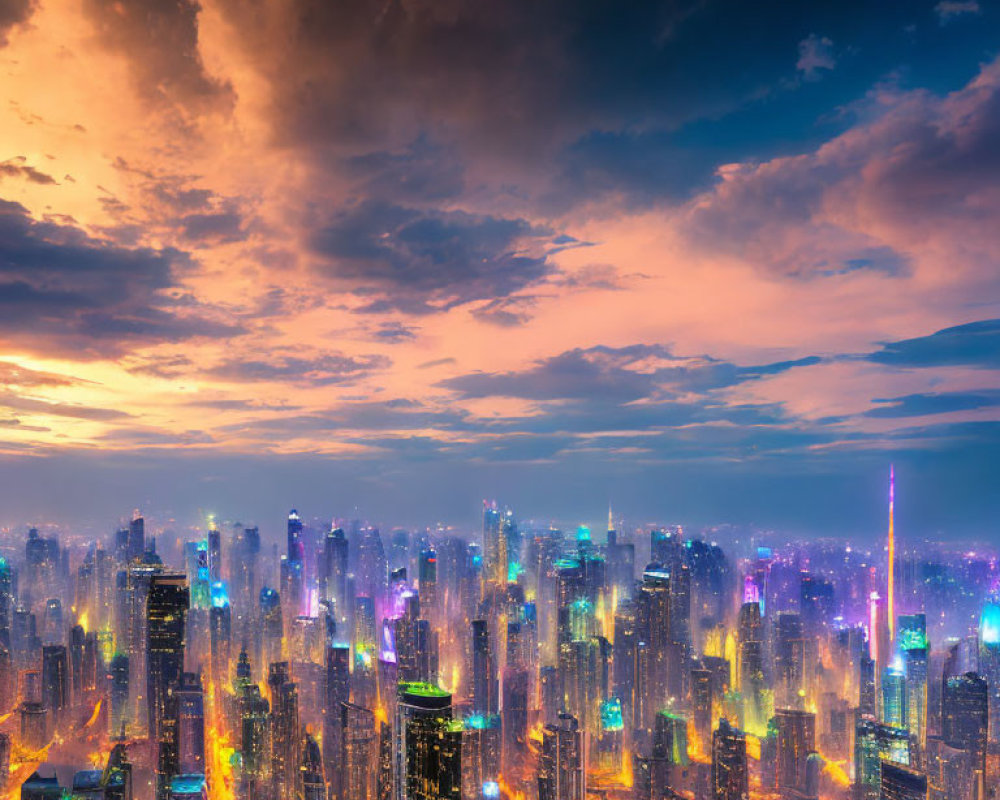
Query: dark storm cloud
point(419, 259)
point(62, 289)
point(976, 344)
point(320, 370)
point(160, 40)
point(13, 12)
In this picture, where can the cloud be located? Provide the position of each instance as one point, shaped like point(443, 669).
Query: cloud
point(320, 370)
point(63, 290)
point(160, 40)
point(815, 54)
point(395, 332)
point(35, 405)
point(13, 13)
point(919, 405)
point(422, 260)
point(948, 10)
point(912, 186)
point(19, 168)
point(975, 344)
point(617, 375)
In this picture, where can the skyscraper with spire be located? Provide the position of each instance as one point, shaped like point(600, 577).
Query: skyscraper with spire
point(891, 589)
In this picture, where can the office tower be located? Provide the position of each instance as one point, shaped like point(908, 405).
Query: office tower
point(189, 701)
point(433, 759)
point(730, 777)
point(899, 782)
point(214, 538)
point(915, 668)
point(796, 740)
point(359, 753)
point(789, 660)
point(312, 779)
point(494, 549)
point(894, 711)
point(485, 688)
point(426, 744)
point(701, 706)
point(34, 725)
point(337, 686)
point(873, 744)
point(135, 542)
point(623, 664)
point(561, 774)
point(514, 717)
point(6, 600)
point(285, 738)
point(609, 745)
point(271, 628)
point(427, 585)
point(119, 694)
point(220, 634)
point(335, 571)
point(166, 609)
point(989, 658)
point(653, 649)
point(55, 681)
point(965, 721)
point(254, 736)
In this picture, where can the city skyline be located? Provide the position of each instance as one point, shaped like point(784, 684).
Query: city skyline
point(713, 263)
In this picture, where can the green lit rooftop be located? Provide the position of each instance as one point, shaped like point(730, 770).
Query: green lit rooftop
point(422, 689)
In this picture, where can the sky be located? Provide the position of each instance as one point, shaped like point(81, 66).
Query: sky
point(713, 262)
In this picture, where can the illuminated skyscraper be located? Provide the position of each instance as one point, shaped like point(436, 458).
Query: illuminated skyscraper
point(189, 701)
point(561, 774)
point(359, 753)
point(285, 736)
point(796, 740)
point(730, 777)
point(312, 779)
point(166, 610)
point(965, 721)
point(427, 759)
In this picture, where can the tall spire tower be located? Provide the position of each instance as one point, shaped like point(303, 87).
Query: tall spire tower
point(892, 558)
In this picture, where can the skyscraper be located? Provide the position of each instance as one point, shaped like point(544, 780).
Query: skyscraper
point(730, 777)
point(166, 609)
point(965, 721)
point(427, 759)
point(561, 773)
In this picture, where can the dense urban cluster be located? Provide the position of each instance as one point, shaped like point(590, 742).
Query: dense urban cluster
point(535, 664)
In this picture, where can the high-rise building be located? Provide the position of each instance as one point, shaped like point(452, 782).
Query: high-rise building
point(796, 740)
point(312, 779)
point(166, 609)
point(359, 753)
point(285, 737)
point(55, 680)
point(423, 711)
point(561, 774)
point(730, 777)
point(965, 721)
